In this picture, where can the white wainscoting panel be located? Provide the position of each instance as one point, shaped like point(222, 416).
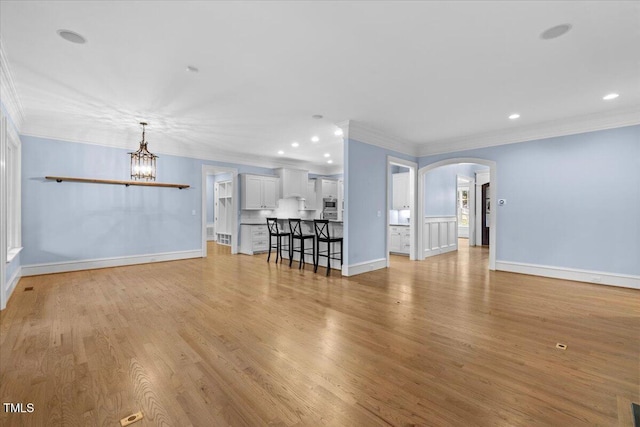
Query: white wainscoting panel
point(440, 235)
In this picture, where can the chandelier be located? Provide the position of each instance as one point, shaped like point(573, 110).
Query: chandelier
point(143, 162)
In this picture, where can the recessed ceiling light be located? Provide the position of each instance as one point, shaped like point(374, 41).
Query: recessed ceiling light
point(281, 152)
point(327, 155)
point(71, 36)
point(338, 132)
point(329, 161)
point(315, 139)
point(192, 69)
point(295, 144)
point(610, 96)
point(555, 32)
point(514, 116)
point(317, 116)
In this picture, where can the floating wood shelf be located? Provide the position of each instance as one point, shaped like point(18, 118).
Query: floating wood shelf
point(116, 182)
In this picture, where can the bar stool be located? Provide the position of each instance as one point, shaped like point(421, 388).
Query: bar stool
point(296, 234)
point(321, 227)
point(274, 231)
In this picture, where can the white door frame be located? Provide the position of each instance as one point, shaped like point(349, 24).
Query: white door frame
point(213, 170)
point(413, 167)
point(471, 197)
point(493, 220)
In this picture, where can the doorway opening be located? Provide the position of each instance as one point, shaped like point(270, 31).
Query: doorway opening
point(400, 213)
point(219, 207)
point(452, 206)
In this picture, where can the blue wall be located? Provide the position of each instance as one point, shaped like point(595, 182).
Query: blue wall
point(572, 201)
point(365, 194)
point(441, 187)
point(75, 221)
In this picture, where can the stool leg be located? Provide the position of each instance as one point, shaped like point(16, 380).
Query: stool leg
point(301, 253)
point(328, 257)
point(341, 253)
point(316, 257)
point(277, 247)
point(290, 251)
point(269, 257)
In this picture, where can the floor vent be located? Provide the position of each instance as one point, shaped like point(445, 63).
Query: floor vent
point(561, 346)
point(131, 419)
point(28, 288)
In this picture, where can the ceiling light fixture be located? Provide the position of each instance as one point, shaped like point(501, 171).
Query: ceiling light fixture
point(71, 36)
point(317, 116)
point(338, 132)
point(192, 69)
point(295, 145)
point(514, 116)
point(327, 155)
point(329, 161)
point(555, 32)
point(315, 139)
point(281, 152)
point(143, 162)
point(610, 96)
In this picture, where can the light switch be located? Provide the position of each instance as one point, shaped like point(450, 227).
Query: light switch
point(379, 214)
point(193, 212)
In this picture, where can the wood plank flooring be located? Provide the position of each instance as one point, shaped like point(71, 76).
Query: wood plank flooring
point(232, 340)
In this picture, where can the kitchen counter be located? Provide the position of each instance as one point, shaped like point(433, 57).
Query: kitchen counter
point(399, 225)
point(286, 219)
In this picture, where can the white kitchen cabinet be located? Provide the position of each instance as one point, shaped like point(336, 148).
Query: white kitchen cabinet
point(401, 196)
point(259, 191)
point(254, 238)
point(400, 239)
point(329, 188)
point(293, 182)
point(309, 202)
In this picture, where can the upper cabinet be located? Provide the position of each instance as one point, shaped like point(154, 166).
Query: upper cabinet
point(329, 188)
point(259, 191)
point(293, 182)
point(401, 196)
point(309, 202)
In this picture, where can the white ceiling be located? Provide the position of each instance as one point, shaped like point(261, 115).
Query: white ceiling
point(425, 72)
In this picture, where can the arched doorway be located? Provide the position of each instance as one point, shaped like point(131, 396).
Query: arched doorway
point(492, 198)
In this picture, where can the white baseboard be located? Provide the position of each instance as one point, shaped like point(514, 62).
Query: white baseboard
point(597, 277)
point(364, 267)
point(13, 282)
point(439, 251)
point(90, 264)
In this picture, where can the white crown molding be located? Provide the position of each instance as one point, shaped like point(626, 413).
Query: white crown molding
point(8, 93)
point(365, 133)
point(561, 127)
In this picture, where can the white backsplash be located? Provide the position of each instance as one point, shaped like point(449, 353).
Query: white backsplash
point(399, 216)
point(287, 208)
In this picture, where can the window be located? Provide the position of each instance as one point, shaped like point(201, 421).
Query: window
point(12, 165)
point(463, 206)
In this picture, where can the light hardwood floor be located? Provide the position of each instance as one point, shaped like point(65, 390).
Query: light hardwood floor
point(232, 340)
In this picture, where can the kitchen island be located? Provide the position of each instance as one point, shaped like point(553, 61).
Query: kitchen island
point(254, 238)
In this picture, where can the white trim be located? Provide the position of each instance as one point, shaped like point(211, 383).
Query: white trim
point(13, 253)
point(13, 282)
point(8, 92)
point(570, 126)
point(364, 267)
point(579, 275)
point(90, 264)
point(493, 198)
point(364, 133)
point(235, 199)
point(3, 209)
point(413, 167)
